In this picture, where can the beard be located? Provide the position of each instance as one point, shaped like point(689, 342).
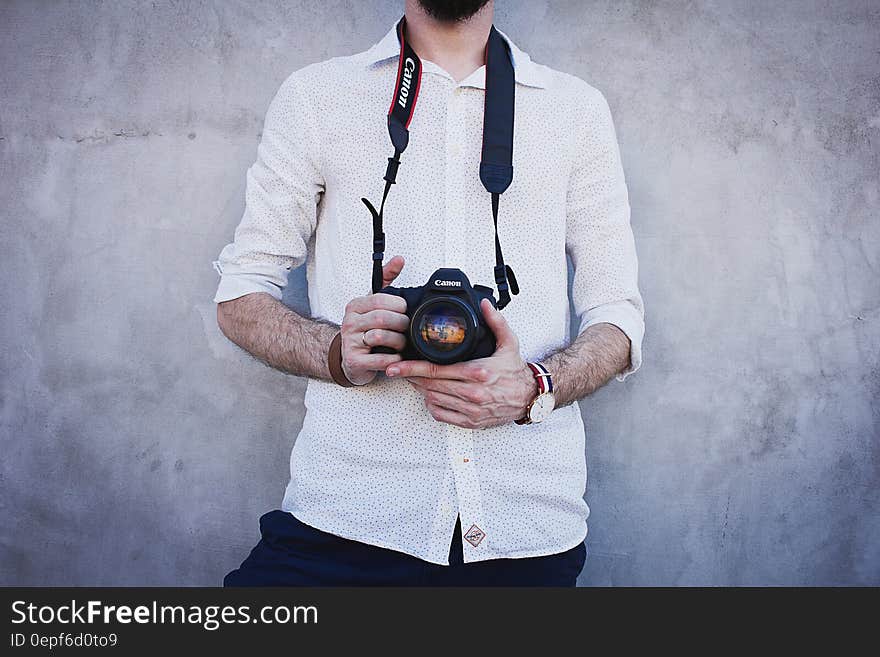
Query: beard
point(452, 10)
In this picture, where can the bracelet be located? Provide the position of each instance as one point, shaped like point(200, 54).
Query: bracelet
point(334, 362)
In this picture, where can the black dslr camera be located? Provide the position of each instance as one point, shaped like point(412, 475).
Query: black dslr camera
point(445, 321)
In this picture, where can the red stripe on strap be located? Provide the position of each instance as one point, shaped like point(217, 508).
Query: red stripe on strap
point(412, 110)
point(399, 69)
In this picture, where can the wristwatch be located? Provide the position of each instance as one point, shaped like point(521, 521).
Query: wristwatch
point(544, 403)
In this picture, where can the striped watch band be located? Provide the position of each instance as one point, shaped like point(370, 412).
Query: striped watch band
point(542, 374)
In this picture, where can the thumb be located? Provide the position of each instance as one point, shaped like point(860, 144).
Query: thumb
point(504, 335)
point(392, 270)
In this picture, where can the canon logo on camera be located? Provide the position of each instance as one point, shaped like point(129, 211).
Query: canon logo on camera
point(440, 283)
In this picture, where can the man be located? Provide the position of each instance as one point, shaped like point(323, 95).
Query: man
point(407, 472)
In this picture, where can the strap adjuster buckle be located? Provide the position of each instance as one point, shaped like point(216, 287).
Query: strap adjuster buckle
point(391, 170)
point(501, 275)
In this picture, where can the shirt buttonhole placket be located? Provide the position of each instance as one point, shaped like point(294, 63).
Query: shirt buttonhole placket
point(452, 149)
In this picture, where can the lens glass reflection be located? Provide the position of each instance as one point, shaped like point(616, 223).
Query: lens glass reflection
point(443, 327)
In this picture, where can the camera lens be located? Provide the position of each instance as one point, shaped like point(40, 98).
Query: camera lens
point(443, 327)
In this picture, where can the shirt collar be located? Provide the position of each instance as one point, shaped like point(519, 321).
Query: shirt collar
point(525, 71)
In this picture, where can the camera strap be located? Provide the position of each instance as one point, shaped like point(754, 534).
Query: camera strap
point(496, 162)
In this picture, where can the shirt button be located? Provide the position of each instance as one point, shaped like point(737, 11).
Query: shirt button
point(456, 149)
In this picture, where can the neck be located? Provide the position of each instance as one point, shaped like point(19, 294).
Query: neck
point(457, 47)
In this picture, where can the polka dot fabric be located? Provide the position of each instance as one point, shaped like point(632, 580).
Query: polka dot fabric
point(370, 463)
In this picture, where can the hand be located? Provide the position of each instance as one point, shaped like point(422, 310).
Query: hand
point(480, 393)
point(372, 321)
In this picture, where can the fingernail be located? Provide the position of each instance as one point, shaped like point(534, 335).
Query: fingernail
point(393, 371)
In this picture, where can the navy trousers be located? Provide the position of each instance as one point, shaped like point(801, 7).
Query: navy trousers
point(291, 553)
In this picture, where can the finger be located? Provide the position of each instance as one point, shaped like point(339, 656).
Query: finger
point(392, 270)
point(384, 338)
point(450, 417)
point(449, 402)
point(379, 301)
point(505, 338)
point(460, 371)
point(371, 362)
point(473, 393)
point(380, 319)
point(422, 383)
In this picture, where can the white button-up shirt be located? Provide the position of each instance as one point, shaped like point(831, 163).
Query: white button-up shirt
point(370, 463)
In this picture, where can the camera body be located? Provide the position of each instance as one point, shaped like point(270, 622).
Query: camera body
point(446, 324)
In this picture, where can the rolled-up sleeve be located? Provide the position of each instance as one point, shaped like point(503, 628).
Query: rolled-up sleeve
point(599, 239)
point(283, 189)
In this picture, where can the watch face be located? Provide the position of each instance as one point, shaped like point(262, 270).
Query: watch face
point(542, 407)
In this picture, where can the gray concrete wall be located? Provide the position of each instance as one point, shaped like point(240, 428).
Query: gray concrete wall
point(139, 447)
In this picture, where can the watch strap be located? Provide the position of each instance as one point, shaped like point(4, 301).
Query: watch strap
point(543, 376)
point(545, 384)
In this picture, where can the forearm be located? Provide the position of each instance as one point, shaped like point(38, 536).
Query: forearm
point(274, 334)
point(594, 358)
